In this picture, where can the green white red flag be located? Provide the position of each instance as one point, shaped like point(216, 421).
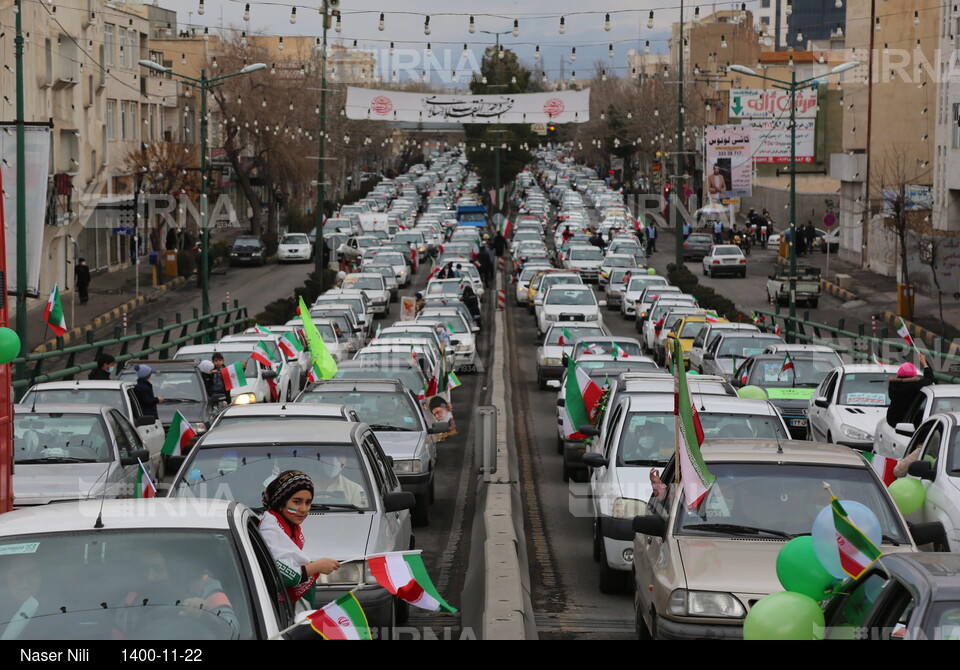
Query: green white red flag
point(580, 400)
point(290, 345)
point(618, 352)
point(857, 552)
point(314, 375)
point(882, 465)
point(787, 364)
point(564, 336)
point(263, 355)
point(694, 475)
point(145, 485)
point(404, 575)
point(179, 436)
point(53, 313)
point(343, 619)
point(233, 376)
point(904, 332)
point(260, 330)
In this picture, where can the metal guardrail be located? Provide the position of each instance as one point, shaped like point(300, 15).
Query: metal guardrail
point(944, 356)
point(139, 344)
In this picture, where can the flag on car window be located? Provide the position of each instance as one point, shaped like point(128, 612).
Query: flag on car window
point(290, 345)
point(404, 575)
point(857, 552)
point(882, 465)
point(233, 376)
point(786, 365)
point(145, 486)
point(260, 330)
point(694, 475)
point(617, 352)
point(580, 400)
point(343, 619)
point(262, 354)
point(179, 436)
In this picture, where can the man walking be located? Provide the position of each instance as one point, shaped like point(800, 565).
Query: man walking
point(81, 275)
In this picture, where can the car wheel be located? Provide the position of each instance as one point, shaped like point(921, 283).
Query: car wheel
point(643, 633)
point(611, 581)
point(559, 445)
point(420, 514)
point(712, 274)
point(704, 271)
point(541, 382)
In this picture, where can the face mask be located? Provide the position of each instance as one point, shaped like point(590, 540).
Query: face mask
point(331, 469)
point(111, 369)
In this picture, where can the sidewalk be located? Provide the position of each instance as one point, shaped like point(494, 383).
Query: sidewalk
point(110, 294)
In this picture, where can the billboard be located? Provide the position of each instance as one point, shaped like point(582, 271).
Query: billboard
point(729, 162)
point(771, 140)
point(749, 103)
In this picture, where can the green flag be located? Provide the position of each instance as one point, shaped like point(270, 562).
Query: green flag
point(319, 353)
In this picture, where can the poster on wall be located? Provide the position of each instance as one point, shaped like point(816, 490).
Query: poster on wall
point(37, 169)
point(729, 162)
point(771, 140)
point(749, 103)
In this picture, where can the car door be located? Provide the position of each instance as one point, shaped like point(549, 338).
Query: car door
point(888, 442)
point(394, 529)
point(151, 433)
point(648, 549)
point(820, 417)
point(941, 500)
point(126, 441)
point(265, 564)
point(603, 479)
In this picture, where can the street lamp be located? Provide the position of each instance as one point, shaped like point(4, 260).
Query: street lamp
point(319, 244)
point(496, 150)
point(203, 84)
point(792, 87)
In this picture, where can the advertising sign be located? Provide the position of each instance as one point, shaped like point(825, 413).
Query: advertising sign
point(771, 140)
point(746, 103)
point(728, 162)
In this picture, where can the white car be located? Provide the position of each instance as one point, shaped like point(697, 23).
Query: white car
point(294, 247)
point(938, 469)
point(288, 376)
point(633, 291)
point(611, 261)
point(462, 339)
point(891, 441)
point(557, 343)
point(355, 300)
point(848, 404)
point(653, 324)
point(298, 411)
point(569, 303)
point(373, 286)
point(523, 279)
point(393, 258)
point(709, 333)
point(648, 296)
point(256, 389)
point(586, 260)
point(725, 259)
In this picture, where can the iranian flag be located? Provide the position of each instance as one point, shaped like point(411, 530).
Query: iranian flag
point(876, 359)
point(787, 364)
point(314, 375)
point(404, 575)
point(777, 329)
point(580, 400)
point(433, 384)
point(618, 352)
point(712, 317)
point(53, 314)
point(343, 619)
point(233, 376)
point(902, 331)
point(857, 552)
point(694, 476)
point(262, 354)
point(452, 381)
point(290, 345)
point(882, 465)
point(145, 486)
point(260, 330)
point(179, 436)
point(564, 336)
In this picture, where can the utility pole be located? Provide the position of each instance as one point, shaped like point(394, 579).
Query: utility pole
point(319, 244)
point(679, 163)
point(21, 372)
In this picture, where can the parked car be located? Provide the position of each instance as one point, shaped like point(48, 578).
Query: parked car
point(806, 284)
point(248, 250)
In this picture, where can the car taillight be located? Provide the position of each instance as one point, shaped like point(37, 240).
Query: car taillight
point(686, 244)
point(716, 262)
point(743, 260)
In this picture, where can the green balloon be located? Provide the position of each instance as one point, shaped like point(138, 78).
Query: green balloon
point(908, 493)
point(784, 616)
point(9, 345)
point(692, 372)
point(752, 392)
point(651, 271)
point(800, 571)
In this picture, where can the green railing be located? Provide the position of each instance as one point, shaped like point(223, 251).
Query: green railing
point(944, 356)
point(139, 344)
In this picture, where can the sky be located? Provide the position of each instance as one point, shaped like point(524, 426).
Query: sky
point(538, 23)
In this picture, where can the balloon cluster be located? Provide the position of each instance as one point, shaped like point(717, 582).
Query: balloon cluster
point(808, 568)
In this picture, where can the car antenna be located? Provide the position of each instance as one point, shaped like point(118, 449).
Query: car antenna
point(103, 496)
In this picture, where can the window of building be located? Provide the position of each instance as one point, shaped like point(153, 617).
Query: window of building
point(764, 4)
point(108, 46)
point(131, 48)
point(48, 60)
point(111, 120)
point(153, 122)
point(69, 59)
point(121, 42)
point(69, 150)
point(956, 128)
point(124, 121)
point(764, 20)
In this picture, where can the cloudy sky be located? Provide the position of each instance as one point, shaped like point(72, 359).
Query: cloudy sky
point(538, 22)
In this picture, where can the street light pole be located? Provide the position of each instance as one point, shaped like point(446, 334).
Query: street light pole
point(496, 148)
point(678, 163)
point(21, 372)
point(319, 244)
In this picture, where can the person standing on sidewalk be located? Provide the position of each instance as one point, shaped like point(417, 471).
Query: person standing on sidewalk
point(81, 275)
point(651, 238)
point(105, 367)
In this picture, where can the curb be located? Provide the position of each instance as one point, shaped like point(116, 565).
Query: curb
point(837, 292)
point(928, 336)
point(74, 335)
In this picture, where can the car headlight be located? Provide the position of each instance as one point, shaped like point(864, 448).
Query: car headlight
point(713, 604)
point(551, 317)
point(354, 572)
point(590, 317)
point(627, 508)
point(552, 361)
point(855, 433)
point(411, 467)
point(463, 347)
point(233, 253)
point(245, 399)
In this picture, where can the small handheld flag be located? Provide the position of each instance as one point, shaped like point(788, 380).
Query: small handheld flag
point(343, 619)
point(694, 475)
point(260, 330)
point(404, 575)
point(290, 345)
point(53, 313)
point(145, 485)
point(233, 376)
point(904, 332)
point(180, 435)
point(787, 364)
point(857, 552)
point(262, 354)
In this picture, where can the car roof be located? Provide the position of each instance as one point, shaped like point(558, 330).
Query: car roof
point(83, 384)
point(368, 385)
point(632, 382)
point(859, 368)
point(215, 346)
point(59, 408)
point(176, 365)
point(116, 514)
point(604, 338)
point(708, 402)
point(293, 432)
point(816, 348)
point(285, 409)
point(781, 451)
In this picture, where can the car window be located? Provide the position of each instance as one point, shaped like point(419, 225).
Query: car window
point(126, 438)
point(61, 437)
point(917, 411)
point(382, 410)
point(692, 329)
point(185, 386)
point(372, 448)
point(931, 450)
point(77, 396)
point(851, 610)
point(806, 372)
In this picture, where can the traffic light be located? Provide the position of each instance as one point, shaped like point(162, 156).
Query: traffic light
point(552, 130)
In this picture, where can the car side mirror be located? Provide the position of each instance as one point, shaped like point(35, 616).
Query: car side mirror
point(397, 501)
point(594, 460)
point(475, 329)
point(602, 303)
point(438, 427)
point(671, 335)
point(588, 430)
point(929, 532)
point(709, 356)
point(553, 384)
point(821, 401)
point(144, 421)
point(650, 524)
point(135, 457)
point(268, 374)
point(922, 470)
point(905, 429)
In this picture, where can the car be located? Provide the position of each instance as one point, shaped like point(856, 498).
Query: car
point(766, 493)
point(406, 371)
point(97, 551)
point(343, 317)
point(543, 281)
point(669, 323)
point(396, 260)
point(294, 247)
point(389, 278)
point(373, 286)
point(891, 441)
point(463, 344)
point(804, 285)
point(72, 452)
point(111, 392)
point(634, 290)
point(848, 404)
point(789, 381)
point(730, 348)
point(398, 421)
point(523, 278)
point(257, 388)
point(584, 259)
point(235, 414)
point(902, 597)
point(710, 332)
point(421, 333)
point(652, 294)
point(611, 261)
point(641, 434)
point(248, 250)
point(569, 304)
point(616, 284)
point(358, 512)
point(357, 301)
point(653, 323)
point(725, 259)
point(611, 346)
point(290, 370)
point(686, 329)
point(696, 246)
point(558, 342)
point(399, 350)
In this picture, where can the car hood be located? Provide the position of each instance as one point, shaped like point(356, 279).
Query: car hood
point(555, 351)
point(340, 534)
point(627, 482)
point(569, 309)
point(731, 565)
point(863, 418)
point(400, 445)
point(192, 411)
point(44, 483)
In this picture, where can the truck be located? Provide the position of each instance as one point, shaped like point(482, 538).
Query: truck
point(375, 221)
point(472, 214)
point(807, 282)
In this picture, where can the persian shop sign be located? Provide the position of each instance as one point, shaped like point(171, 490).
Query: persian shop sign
point(747, 103)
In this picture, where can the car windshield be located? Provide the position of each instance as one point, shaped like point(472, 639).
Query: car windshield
point(640, 283)
point(726, 251)
point(294, 239)
point(183, 385)
point(614, 367)
point(409, 376)
point(617, 276)
point(586, 254)
point(699, 239)
point(783, 497)
point(620, 262)
point(444, 288)
point(556, 280)
point(356, 304)
point(381, 410)
point(795, 370)
point(390, 258)
point(946, 405)
point(607, 348)
point(77, 396)
point(232, 419)
point(247, 243)
point(691, 329)
point(742, 347)
point(229, 358)
point(569, 335)
point(240, 473)
point(126, 584)
point(61, 437)
point(864, 389)
point(371, 283)
point(560, 296)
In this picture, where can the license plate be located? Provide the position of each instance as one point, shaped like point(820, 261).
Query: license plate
point(797, 423)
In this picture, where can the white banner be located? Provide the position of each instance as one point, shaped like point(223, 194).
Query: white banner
point(748, 103)
point(37, 155)
point(771, 140)
point(555, 107)
point(729, 164)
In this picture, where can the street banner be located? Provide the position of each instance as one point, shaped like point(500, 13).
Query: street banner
point(37, 169)
point(771, 140)
point(528, 108)
point(747, 103)
point(729, 161)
